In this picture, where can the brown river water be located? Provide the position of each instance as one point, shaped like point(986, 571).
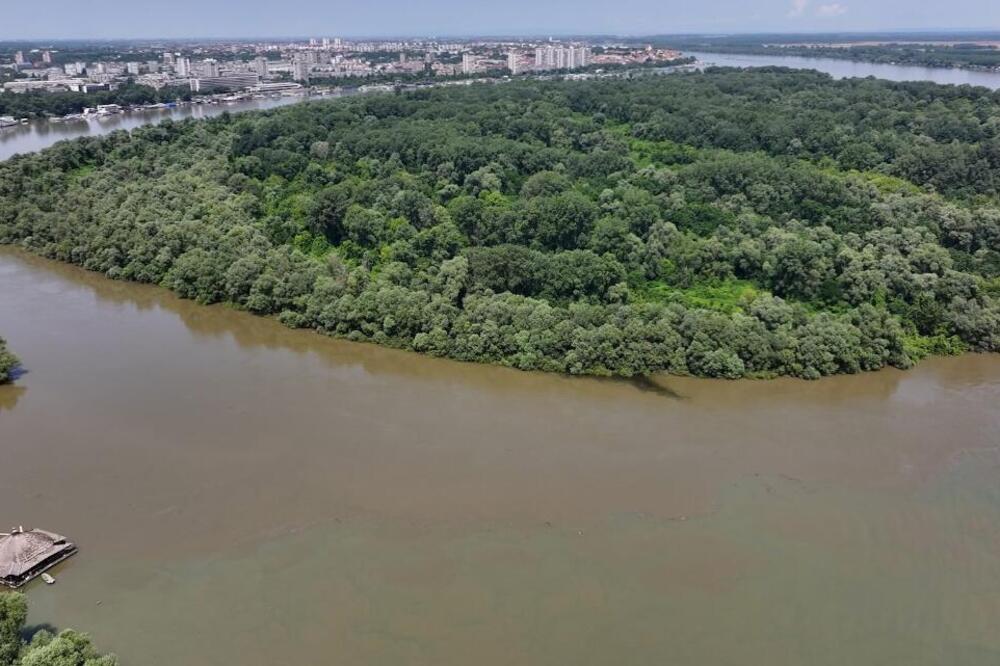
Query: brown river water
point(247, 494)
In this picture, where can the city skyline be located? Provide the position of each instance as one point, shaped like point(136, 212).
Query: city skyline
point(267, 68)
point(207, 19)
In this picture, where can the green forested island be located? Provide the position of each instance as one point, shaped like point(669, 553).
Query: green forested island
point(68, 648)
point(727, 223)
point(8, 362)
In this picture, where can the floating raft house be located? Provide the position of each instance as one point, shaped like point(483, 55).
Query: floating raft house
point(25, 554)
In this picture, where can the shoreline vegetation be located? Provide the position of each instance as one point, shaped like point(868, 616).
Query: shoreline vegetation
point(8, 363)
point(725, 224)
point(41, 105)
point(44, 648)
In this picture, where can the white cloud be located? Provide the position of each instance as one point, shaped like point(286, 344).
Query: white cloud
point(831, 10)
point(798, 8)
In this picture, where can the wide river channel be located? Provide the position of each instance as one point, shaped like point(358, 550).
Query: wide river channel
point(247, 494)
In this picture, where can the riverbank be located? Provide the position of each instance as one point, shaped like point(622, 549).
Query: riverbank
point(104, 111)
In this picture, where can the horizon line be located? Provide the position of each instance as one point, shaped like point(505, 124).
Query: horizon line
point(538, 35)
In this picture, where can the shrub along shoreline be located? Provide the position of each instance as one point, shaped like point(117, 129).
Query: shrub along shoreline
point(728, 224)
point(45, 648)
point(8, 363)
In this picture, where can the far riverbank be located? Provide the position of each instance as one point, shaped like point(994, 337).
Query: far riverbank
point(847, 69)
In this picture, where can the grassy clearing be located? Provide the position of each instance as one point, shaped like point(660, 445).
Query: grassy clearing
point(723, 296)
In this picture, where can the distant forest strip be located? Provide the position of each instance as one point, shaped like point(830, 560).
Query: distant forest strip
point(727, 224)
point(962, 56)
point(8, 363)
point(42, 104)
point(957, 55)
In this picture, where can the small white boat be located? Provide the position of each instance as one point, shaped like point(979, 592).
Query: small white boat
point(48, 579)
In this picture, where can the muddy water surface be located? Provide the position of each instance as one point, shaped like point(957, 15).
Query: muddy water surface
point(244, 493)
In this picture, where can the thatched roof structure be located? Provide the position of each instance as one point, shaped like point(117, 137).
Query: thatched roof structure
point(25, 554)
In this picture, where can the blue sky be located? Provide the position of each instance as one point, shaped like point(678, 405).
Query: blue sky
point(234, 18)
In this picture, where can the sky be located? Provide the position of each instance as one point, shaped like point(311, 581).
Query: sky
point(58, 19)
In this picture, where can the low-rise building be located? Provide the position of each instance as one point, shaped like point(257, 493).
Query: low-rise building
point(229, 82)
point(45, 86)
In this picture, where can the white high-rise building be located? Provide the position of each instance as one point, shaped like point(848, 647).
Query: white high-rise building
point(132, 68)
point(75, 68)
point(260, 66)
point(326, 42)
point(209, 68)
point(19, 58)
point(183, 66)
point(545, 57)
point(300, 70)
point(468, 63)
point(575, 57)
point(514, 62)
point(559, 57)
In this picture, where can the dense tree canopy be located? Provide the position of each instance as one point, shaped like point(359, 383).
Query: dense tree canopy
point(40, 103)
point(726, 223)
point(68, 648)
point(8, 362)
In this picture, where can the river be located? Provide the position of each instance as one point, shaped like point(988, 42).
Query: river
point(40, 134)
point(247, 494)
point(843, 69)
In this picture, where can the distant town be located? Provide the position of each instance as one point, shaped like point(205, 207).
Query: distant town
point(279, 66)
